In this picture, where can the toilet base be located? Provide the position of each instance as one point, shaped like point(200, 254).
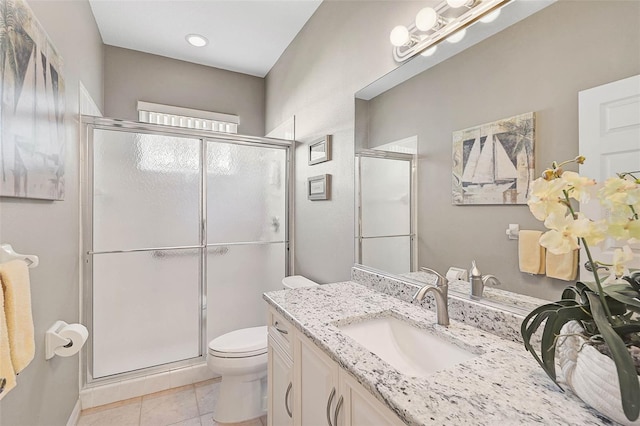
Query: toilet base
point(241, 398)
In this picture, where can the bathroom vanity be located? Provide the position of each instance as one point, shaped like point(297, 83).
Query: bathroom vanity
point(321, 371)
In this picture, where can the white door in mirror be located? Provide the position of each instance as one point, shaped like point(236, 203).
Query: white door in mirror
point(609, 123)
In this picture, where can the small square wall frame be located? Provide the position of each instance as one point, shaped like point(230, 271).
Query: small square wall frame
point(319, 187)
point(320, 151)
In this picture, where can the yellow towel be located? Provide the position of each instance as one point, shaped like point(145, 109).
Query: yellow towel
point(530, 252)
point(6, 366)
point(563, 266)
point(14, 276)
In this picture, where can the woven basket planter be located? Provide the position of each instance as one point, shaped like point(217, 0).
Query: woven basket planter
point(591, 375)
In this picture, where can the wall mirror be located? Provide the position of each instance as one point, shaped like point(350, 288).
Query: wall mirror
point(537, 56)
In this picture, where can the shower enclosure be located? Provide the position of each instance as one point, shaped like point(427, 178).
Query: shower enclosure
point(183, 231)
point(385, 204)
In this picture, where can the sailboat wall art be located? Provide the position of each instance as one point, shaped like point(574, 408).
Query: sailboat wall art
point(494, 163)
point(32, 108)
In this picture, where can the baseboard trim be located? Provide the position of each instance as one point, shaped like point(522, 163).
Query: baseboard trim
point(75, 415)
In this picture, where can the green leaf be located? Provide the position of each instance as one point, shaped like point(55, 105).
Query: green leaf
point(617, 287)
point(591, 286)
point(552, 331)
point(627, 376)
point(531, 324)
point(623, 298)
point(623, 330)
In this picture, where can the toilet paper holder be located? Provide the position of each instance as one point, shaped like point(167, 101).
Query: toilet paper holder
point(53, 340)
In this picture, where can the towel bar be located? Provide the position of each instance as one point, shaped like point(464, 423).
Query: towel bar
point(7, 253)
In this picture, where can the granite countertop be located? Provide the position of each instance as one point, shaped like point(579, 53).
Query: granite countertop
point(502, 385)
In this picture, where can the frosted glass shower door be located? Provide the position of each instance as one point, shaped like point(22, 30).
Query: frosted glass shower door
point(146, 250)
point(385, 232)
point(246, 232)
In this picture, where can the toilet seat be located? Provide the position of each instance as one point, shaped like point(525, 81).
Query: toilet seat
point(244, 343)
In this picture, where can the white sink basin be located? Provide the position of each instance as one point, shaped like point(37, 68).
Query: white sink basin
point(408, 349)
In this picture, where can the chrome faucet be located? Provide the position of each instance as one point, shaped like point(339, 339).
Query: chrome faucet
point(440, 294)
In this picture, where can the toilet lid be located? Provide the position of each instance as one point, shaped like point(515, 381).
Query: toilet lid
point(240, 343)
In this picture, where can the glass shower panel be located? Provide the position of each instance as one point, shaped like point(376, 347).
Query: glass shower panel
point(237, 277)
point(390, 254)
point(385, 191)
point(246, 189)
point(146, 309)
point(146, 191)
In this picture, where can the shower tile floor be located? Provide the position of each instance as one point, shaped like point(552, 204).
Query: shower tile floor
point(190, 405)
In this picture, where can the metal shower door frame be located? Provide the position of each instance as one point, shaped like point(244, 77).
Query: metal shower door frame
point(359, 238)
point(91, 123)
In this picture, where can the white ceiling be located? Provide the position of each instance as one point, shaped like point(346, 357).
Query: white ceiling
point(246, 36)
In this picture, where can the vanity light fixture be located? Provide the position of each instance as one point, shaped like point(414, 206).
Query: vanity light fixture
point(490, 17)
point(430, 51)
point(447, 20)
point(196, 40)
point(459, 3)
point(457, 36)
point(428, 19)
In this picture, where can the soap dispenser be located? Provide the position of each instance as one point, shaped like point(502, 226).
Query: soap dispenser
point(476, 281)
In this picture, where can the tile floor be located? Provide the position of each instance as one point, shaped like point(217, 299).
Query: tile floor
point(190, 405)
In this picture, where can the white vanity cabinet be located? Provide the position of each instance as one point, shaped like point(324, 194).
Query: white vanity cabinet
point(280, 372)
point(322, 394)
point(280, 379)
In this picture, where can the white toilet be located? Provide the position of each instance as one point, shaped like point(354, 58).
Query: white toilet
point(240, 357)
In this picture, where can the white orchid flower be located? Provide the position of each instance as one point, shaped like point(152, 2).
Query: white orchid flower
point(546, 198)
point(620, 258)
point(564, 232)
point(580, 187)
point(619, 192)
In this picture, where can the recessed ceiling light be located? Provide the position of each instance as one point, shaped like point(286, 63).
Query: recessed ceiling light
point(196, 40)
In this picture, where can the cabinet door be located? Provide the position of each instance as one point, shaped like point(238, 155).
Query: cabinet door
point(280, 382)
point(360, 408)
point(316, 384)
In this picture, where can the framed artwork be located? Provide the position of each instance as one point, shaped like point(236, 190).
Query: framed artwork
point(32, 109)
point(494, 163)
point(320, 151)
point(319, 187)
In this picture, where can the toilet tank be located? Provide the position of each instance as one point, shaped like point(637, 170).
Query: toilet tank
point(297, 281)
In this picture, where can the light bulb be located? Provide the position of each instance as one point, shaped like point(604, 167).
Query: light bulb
point(490, 17)
point(426, 19)
point(430, 51)
point(196, 40)
point(457, 3)
point(399, 36)
point(456, 37)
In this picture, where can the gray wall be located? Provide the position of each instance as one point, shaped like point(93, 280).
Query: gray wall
point(536, 65)
point(48, 390)
point(316, 78)
point(131, 76)
point(344, 47)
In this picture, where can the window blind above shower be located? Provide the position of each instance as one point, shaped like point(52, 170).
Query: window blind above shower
point(168, 115)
